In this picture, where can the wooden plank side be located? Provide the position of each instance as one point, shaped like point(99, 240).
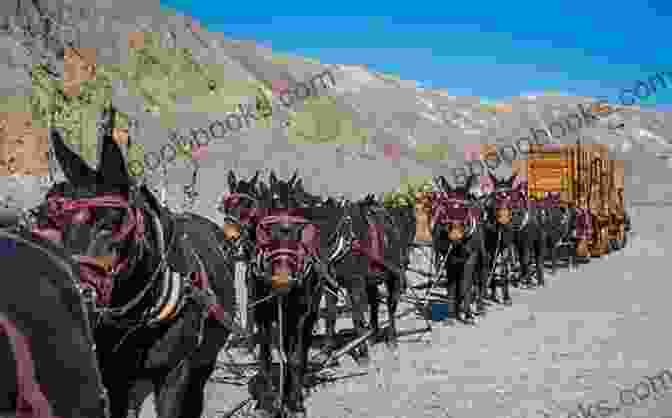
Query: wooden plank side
point(555, 164)
point(619, 174)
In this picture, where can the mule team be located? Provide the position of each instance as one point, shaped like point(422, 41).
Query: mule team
point(121, 290)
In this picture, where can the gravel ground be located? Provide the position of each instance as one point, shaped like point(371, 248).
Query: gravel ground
point(584, 338)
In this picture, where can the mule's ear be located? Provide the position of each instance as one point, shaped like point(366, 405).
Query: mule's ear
point(467, 185)
point(112, 170)
point(263, 190)
point(253, 181)
point(231, 178)
point(76, 170)
point(273, 180)
point(444, 184)
point(299, 185)
point(294, 177)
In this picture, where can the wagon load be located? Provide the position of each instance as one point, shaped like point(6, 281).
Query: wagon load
point(587, 181)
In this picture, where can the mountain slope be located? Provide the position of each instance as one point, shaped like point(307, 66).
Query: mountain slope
point(425, 124)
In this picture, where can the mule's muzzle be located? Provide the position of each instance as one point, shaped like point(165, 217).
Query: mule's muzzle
point(455, 231)
point(103, 263)
point(504, 216)
point(232, 231)
point(284, 271)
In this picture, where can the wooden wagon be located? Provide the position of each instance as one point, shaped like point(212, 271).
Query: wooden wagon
point(586, 179)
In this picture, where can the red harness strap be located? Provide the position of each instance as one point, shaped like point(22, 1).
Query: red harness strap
point(31, 401)
point(451, 208)
point(247, 216)
point(310, 235)
point(63, 211)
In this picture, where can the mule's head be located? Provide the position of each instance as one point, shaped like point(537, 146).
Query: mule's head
point(284, 238)
point(454, 213)
point(506, 195)
point(93, 214)
point(241, 207)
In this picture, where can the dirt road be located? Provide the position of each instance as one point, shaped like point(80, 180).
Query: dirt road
point(589, 336)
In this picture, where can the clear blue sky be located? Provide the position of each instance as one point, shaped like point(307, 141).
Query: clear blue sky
point(481, 48)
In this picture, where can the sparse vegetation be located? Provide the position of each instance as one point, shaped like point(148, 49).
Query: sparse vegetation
point(405, 195)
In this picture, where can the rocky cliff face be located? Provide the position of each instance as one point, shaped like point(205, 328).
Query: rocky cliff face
point(365, 132)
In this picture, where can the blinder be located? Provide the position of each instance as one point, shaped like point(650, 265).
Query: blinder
point(285, 245)
point(240, 211)
point(456, 215)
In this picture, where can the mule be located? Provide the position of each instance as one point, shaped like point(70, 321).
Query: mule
point(459, 243)
point(515, 228)
point(45, 335)
point(288, 274)
point(559, 223)
point(162, 284)
point(382, 241)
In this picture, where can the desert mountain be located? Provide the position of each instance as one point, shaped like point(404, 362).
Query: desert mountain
point(339, 139)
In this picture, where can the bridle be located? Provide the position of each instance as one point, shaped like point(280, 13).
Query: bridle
point(98, 283)
point(62, 211)
point(245, 220)
point(449, 209)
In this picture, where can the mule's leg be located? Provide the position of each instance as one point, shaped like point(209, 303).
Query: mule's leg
point(260, 386)
point(201, 365)
point(507, 276)
point(119, 395)
point(540, 252)
point(169, 391)
point(393, 284)
point(553, 248)
point(465, 284)
point(116, 380)
point(137, 396)
point(493, 279)
point(372, 297)
point(483, 274)
point(524, 257)
point(330, 321)
point(358, 300)
point(300, 367)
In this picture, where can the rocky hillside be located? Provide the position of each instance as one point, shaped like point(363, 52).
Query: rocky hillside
point(343, 139)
